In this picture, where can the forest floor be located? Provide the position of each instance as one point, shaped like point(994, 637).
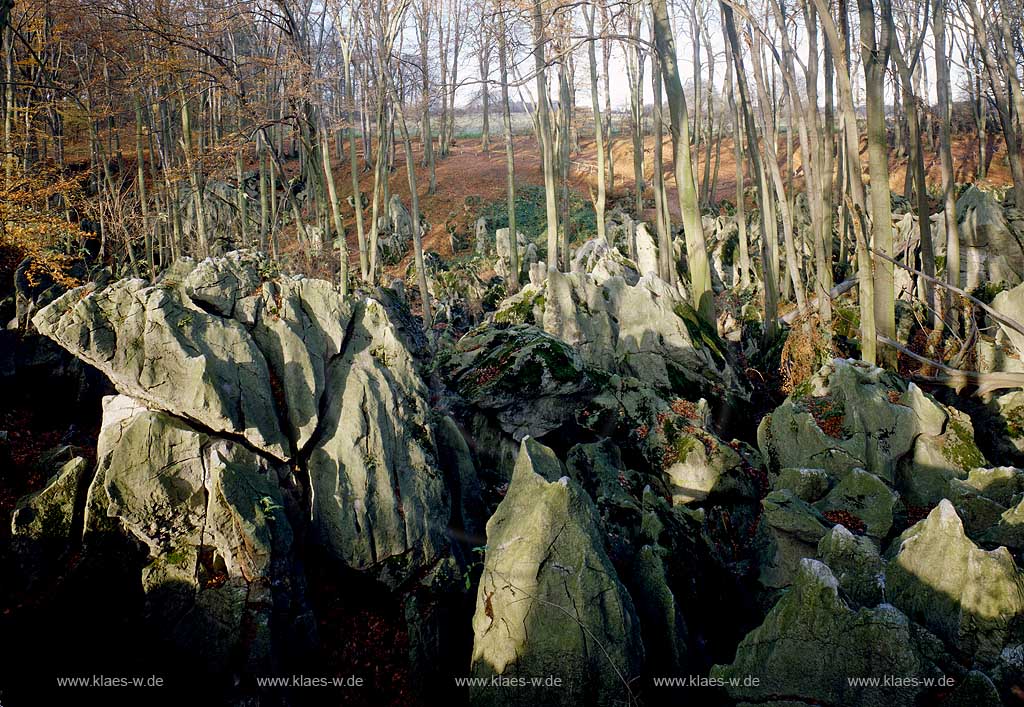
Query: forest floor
point(468, 175)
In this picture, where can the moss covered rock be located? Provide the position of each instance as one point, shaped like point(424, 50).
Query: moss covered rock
point(529, 381)
point(856, 564)
point(866, 498)
point(971, 598)
point(211, 514)
point(646, 330)
point(549, 602)
point(812, 642)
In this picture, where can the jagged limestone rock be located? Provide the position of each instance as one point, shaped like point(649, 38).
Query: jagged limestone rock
point(456, 459)
point(852, 415)
point(789, 531)
point(971, 598)
point(991, 252)
point(602, 261)
point(856, 564)
point(661, 617)
point(158, 347)
point(549, 602)
point(1010, 303)
point(300, 325)
point(924, 477)
point(808, 485)
point(210, 513)
point(529, 381)
point(647, 331)
point(218, 283)
point(1008, 530)
point(503, 253)
point(984, 496)
point(867, 498)
point(42, 525)
point(379, 499)
point(598, 468)
point(46, 515)
point(975, 690)
point(646, 251)
point(701, 465)
point(812, 642)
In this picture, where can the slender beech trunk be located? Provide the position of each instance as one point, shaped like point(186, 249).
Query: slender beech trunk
point(510, 152)
point(546, 138)
point(701, 292)
point(946, 157)
point(595, 102)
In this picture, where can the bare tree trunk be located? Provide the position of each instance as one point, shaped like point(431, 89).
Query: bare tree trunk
point(767, 220)
point(635, 71)
point(426, 133)
point(946, 157)
point(663, 224)
point(595, 102)
point(857, 202)
point(696, 251)
point(510, 152)
point(737, 139)
point(546, 138)
point(875, 57)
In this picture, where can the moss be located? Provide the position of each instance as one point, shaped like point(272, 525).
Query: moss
point(521, 309)
point(960, 449)
point(177, 557)
point(701, 334)
point(1015, 421)
point(802, 389)
point(684, 445)
point(987, 291)
point(828, 414)
point(558, 361)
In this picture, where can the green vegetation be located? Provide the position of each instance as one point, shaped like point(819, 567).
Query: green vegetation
point(531, 219)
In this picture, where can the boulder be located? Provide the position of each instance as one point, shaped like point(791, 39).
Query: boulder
point(1007, 530)
point(1010, 303)
point(984, 496)
point(503, 251)
point(971, 598)
point(699, 465)
point(602, 262)
point(924, 476)
point(812, 642)
point(975, 690)
point(647, 331)
point(646, 251)
point(789, 531)
point(549, 603)
point(218, 283)
point(856, 564)
point(852, 415)
point(991, 251)
point(808, 485)
point(158, 347)
point(529, 381)
point(43, 522)
point(210, 514)
point(300, 325)
point(480, 229)
point(379, 500)
point(865, 497)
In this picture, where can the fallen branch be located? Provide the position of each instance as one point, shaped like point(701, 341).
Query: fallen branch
point(959, 379)
point(1001, 318)
point(841, 289)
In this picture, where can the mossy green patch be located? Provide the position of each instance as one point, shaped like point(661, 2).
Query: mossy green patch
point(701, 333)
point(960, 449)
